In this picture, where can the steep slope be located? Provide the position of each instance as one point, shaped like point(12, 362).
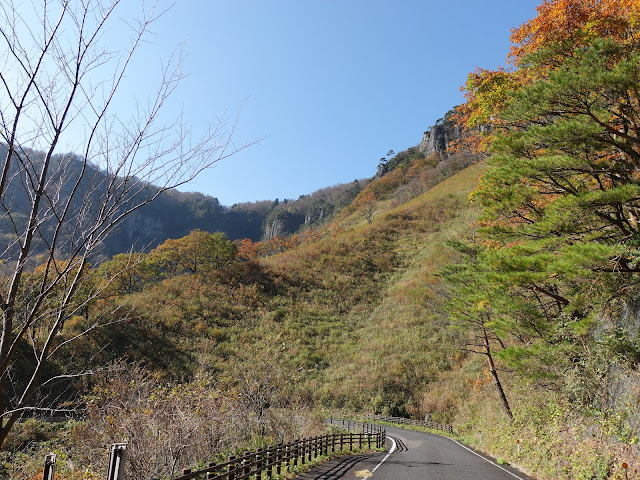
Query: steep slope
point(357, 311)
point(377, 335)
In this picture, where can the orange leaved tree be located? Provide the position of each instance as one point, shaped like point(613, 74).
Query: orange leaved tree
point(559, 28)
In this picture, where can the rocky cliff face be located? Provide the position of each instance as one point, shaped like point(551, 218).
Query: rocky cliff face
point(438, 138)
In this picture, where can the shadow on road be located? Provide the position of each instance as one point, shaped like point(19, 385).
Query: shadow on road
point(414, 464)
point(336, 468)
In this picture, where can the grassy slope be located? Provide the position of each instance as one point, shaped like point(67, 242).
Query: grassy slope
point(403, 341)
point(355, 316)
point(382, 335)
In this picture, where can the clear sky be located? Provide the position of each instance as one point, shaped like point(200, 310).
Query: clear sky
point(331, 85)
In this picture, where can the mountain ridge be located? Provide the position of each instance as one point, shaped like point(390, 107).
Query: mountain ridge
point(174, 214)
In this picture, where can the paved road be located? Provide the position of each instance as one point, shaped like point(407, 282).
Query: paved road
point(417, 456)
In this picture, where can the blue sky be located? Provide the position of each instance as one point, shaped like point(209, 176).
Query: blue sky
point(329, 85)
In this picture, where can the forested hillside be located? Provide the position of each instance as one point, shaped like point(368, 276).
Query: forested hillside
point(291, 326)
point(491, 285)
point(174, 214)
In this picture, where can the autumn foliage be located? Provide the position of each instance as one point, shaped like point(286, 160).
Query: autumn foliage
point(250, 250)
point(559, 27)
point(574, 23)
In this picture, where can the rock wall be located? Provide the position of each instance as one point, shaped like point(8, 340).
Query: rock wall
point(438, 138)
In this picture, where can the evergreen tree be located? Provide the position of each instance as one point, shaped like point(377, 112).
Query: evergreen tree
point(560, 234)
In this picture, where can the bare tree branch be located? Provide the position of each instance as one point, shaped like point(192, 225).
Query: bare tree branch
point(61, 206)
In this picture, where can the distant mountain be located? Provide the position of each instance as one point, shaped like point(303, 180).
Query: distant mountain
point(174, 214)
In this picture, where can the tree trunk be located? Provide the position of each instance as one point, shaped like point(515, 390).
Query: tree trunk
point(496, 380)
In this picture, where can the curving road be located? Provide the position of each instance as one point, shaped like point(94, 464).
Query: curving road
point(416, 456)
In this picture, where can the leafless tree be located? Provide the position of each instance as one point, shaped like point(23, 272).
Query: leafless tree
point(56, 77)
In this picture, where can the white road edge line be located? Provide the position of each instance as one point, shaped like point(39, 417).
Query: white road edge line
point(485, 459)
point(393, 449)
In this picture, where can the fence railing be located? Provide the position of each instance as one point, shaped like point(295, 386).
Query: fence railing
point(273, 460)
point(355, 425)
point(265, 462)
point(410, 421)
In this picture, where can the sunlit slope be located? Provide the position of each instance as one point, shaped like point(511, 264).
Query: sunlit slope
point(370, 323)
point(351, 318)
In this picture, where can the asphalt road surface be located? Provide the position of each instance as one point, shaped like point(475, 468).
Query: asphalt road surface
point(416, 456)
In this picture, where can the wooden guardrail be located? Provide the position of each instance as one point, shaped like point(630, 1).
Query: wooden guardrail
point(273, 460)
point(262, 463)
point(410, 421)
point(355, 425)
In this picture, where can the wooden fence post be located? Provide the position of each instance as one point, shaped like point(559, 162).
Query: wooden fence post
point(246, 465)
point(259, 463)
point(287, 456)
point(269, 461)
point(210, 475)
point(231, 468)
point(49, 467)
point(117, 455)
point(278, 459)
point(296, 452)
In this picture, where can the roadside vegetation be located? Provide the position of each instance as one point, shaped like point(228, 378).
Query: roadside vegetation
point(546, 293)
point(193, 323)
point(498, 296)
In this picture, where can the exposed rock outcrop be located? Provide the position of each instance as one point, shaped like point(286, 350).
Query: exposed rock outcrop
point(382, 169)
point(438, 138)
